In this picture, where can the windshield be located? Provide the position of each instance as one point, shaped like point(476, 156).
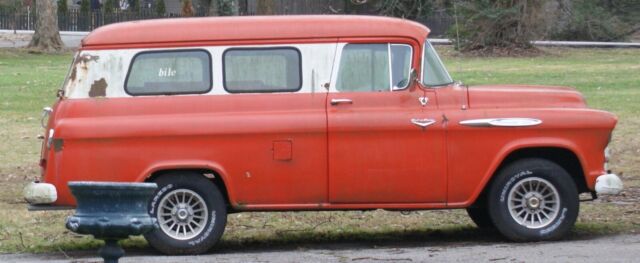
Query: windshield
point(433, 71)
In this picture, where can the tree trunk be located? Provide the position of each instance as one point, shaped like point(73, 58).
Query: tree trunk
point(266, 7)
point(214, 8)
point(223, 8)
point(187, 8)
point(234, 7)
point(46, 36)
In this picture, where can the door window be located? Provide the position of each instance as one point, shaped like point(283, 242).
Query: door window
point(373, 67)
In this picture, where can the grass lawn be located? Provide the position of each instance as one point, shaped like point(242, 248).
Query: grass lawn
point(609, 78)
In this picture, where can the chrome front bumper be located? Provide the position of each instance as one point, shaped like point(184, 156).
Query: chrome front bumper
point(40, 193)
point(608, 184)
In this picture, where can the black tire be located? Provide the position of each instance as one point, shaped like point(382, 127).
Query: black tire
point(533, 171)
point(213, 227)
point(480, 216)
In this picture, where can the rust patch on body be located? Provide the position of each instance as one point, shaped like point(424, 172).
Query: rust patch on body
point(74, 72)
point(82, 61)
point(86, 58)
point(98, 88)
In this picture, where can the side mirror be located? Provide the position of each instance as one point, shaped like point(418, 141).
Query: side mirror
point(405, 83)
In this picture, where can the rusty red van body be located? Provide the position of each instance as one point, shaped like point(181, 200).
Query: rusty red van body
point(313, 113)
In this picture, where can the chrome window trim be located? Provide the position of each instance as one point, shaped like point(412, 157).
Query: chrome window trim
point(390, 67)
point(422, 64)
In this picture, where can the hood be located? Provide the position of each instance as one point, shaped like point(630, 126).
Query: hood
point(524, 96)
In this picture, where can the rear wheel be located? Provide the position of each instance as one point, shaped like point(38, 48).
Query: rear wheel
point(533, 200)
point(191, 213)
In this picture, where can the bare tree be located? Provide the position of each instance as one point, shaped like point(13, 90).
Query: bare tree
point(187, 8)
point(498, 27)
point(214, 8)
point(223, 8)
point(46, 36)
point(230, 7)
point(266, 7)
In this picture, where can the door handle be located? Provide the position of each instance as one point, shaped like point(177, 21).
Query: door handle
point(423, 122)
point(341, 101)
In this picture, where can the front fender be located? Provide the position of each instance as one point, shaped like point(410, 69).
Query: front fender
point(459, 199)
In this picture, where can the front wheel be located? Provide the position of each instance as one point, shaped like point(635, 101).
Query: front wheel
point(191, 213)
point(533, 200)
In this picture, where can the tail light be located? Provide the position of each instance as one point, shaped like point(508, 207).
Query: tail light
point(50, 138)
point(46, 111)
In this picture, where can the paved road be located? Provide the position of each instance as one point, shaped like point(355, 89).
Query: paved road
point(621, 248)
point(22, 38)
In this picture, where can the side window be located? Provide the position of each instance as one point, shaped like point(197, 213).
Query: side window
point(433, 71)
point(169, 72)
point(262, 70)
point(373, 67)
point(400, 65)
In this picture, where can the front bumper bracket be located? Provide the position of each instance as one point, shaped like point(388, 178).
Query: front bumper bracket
point(608, 184)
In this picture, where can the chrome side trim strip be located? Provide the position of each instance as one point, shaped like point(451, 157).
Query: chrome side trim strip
point(502, 122)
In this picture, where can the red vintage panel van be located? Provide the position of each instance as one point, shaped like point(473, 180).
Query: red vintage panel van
point(313, 113)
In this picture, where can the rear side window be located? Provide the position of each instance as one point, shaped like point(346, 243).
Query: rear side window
point(169, 72)
point(262, 70)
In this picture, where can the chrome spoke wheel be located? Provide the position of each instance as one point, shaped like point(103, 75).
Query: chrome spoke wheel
point(182, 214)
point(534, 202)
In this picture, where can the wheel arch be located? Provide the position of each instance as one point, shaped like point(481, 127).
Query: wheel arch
point(212, 172)
point(561, 155)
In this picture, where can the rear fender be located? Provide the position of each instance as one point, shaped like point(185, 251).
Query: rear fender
point(190, 164)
